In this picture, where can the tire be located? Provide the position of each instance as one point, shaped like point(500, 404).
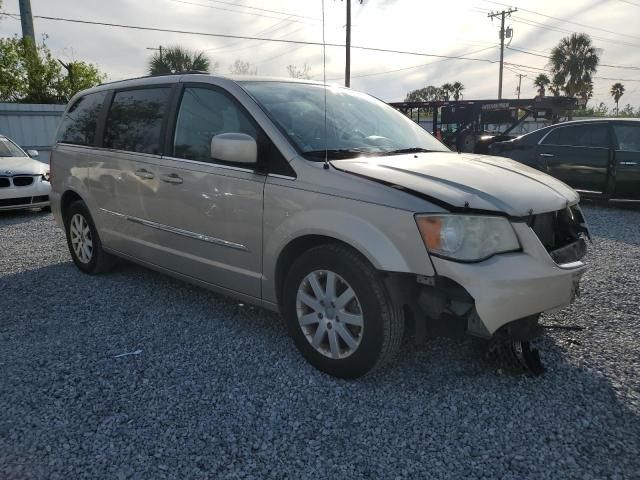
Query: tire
point(369, 346)
point(91, 260)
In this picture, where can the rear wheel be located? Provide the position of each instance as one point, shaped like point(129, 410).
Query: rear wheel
point(83, 241)
point(339, 312)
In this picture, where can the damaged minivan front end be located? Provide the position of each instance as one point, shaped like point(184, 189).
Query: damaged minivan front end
point(500, 260)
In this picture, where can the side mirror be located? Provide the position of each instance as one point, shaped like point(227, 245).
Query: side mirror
point(33, 153)
point(235, 148)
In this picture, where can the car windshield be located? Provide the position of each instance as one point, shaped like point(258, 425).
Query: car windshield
point(10, 149)
point(356, 123)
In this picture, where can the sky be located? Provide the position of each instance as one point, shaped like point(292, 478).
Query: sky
point(452, 28)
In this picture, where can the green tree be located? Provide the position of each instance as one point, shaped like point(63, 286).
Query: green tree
point(600, 111)
point(30, 74)
point(555, 88)
point(297, 72)
point(628, 111)
point(541, 82)
point(445, 91)
point(456, 90)
point(241, 67)
point(573, 62)
point(426, 94)
point(177, 59)
point(617, 90)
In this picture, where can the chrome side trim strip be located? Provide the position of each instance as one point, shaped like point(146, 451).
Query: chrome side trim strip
point(284, 177)
point(179, 231)
point(209, 164)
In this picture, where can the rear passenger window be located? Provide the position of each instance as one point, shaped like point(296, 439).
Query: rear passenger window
point(78, 126)
point(628, 137)
point(203, 114)
point(135, 120)
point(579, 136)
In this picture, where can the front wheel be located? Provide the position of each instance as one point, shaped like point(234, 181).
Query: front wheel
point(340, 313)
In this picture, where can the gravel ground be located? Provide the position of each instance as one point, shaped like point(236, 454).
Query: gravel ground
point(219, 391)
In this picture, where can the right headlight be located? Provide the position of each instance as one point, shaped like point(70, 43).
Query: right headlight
point(467, 238)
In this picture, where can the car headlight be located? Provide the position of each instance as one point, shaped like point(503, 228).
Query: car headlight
point(46, 176)
point(467, 238)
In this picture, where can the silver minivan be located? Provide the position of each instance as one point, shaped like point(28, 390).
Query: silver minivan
point(319, 202)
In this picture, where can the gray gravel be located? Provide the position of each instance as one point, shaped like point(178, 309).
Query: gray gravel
point(218, 390)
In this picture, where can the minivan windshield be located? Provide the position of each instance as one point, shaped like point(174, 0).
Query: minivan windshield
point(10, 149)
point(356, 123)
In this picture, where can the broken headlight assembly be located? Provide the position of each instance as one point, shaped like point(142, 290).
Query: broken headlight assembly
point(467, 238)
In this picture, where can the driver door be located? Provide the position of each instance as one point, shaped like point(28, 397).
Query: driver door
point(207, 215)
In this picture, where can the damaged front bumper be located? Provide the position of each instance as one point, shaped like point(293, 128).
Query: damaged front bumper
point(502, 296)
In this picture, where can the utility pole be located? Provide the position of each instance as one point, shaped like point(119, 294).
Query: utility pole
point(519, 75)
point(159, 49)
point(347, 66)
point(502, 15)
point(26, 19)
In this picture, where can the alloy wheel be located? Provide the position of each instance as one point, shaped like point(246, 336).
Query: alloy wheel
point(329, 314)
point(81, 240)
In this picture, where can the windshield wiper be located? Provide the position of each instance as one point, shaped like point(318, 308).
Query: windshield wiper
point(407, 150)
point(338, 153)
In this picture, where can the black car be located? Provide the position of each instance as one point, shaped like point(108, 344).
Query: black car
point(599, 158)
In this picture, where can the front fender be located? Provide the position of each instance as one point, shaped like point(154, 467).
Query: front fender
point(387, 237)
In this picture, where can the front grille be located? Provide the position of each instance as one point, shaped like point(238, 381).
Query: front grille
point(11, 202)
point(22, 181)
point(561, 233)
point(4, 182)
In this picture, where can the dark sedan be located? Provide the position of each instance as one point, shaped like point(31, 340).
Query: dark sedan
point(599, 158)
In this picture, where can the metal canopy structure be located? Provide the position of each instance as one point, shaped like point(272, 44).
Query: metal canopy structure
point(471, 117)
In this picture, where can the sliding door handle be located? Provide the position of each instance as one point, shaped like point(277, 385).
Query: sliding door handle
point(142, 173)
point(171, 178)
point(629, 163)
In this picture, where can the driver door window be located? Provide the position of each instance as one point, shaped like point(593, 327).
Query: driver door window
point(203, 114)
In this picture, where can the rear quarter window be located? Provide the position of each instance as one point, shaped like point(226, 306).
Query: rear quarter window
point(78, 126)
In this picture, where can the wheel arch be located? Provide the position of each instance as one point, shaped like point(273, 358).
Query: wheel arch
point(67, 198)
point(295, 248)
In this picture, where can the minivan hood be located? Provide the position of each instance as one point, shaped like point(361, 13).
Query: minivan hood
point(468, 180)
point(24, 165)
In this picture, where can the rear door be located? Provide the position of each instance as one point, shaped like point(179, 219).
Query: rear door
point(120, 172)
point(206, 215)
point(627, 160)
point(578, 155)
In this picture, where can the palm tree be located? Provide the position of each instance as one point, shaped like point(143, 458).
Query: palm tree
point(177, 59)
point(556, 87)
point(445, 91)
point(573, 62)
point(541, 82)
point(617, 90)
point(457, 89)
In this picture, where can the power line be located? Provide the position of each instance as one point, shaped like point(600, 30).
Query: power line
point(626, 67)
point(568, 21)
point(384, 72)
point(236, 11)
point(263, 9)
point(534, 23)
point(630, 3)
point(243, 37)
point(548, 71)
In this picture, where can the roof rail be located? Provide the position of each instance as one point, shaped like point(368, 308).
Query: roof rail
point(185, 72)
